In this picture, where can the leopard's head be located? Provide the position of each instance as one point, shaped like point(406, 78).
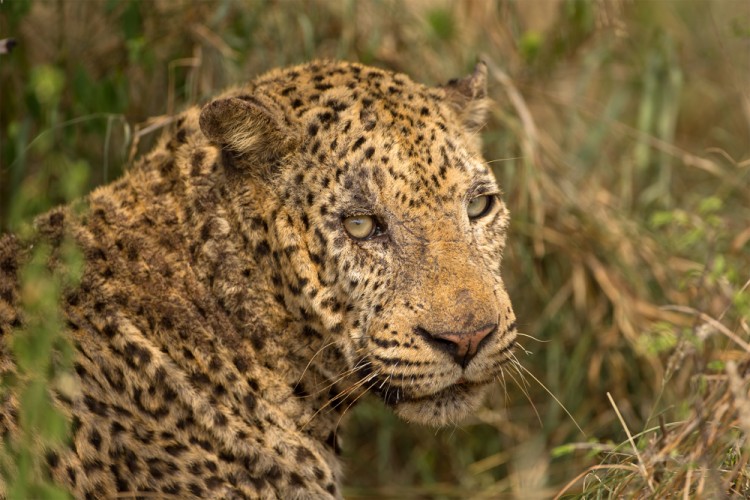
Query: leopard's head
point(388, 226)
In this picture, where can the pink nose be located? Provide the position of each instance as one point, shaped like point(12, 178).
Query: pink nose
point(462, 346)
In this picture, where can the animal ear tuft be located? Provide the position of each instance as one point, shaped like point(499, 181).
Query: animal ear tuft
point(468, 97)
point(247, 127)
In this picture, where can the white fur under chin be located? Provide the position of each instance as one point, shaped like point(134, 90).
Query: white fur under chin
point(443, 410)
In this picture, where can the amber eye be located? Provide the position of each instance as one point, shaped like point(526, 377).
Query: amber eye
point(360, 227)
point(479, 206)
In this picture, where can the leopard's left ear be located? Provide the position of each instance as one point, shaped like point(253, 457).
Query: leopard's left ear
point(468, 97)
point(248, 126)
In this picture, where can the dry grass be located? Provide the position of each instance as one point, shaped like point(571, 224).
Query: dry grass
point(620, 135)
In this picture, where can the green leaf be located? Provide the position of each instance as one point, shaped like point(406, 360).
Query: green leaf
point(442, 23)
point(710, 205)
point(47, 83)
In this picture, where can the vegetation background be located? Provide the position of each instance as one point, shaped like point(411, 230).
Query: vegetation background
point(621, 137)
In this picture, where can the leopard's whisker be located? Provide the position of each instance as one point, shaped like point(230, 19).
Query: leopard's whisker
point(342, 376)
point(510, 158)
point(367, 389)
point(313, 359)
point(532, 338)
point(344, 392)
point(524, 391)
point(519, 367)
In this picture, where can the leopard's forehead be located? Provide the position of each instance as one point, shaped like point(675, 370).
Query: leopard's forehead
point(339, 85)
point(376, 134)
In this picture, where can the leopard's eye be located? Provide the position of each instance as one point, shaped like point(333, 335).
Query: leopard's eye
point(360, 227)
point(479, 206)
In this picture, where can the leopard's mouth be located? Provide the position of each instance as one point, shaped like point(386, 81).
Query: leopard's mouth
point(457, 390)
point(444, 407)
point(394, 395)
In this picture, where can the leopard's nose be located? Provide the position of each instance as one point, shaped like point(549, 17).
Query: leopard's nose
point(461, 346)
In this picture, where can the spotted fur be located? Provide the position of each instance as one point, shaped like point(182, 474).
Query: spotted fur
point(225, 320)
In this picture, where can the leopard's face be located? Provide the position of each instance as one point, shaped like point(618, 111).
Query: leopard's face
point(417, 261)
point(391, 229)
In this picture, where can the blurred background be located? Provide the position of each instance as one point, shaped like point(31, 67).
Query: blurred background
point(620, 134)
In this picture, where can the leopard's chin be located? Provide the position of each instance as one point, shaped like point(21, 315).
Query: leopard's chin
point(446, 407)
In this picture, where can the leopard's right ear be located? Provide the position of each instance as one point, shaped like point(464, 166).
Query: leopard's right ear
point(468, 96)
point(248, 127)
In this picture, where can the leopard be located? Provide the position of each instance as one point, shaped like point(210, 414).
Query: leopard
point(324, 232)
